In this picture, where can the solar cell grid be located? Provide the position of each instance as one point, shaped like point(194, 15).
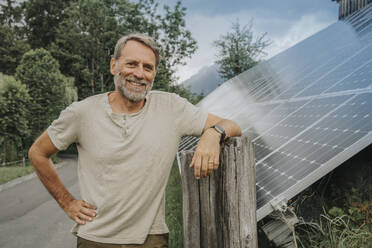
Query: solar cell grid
point(318, 70)
point(306, 110)
point(312, 149)
point(361, 78)
point(338, 73)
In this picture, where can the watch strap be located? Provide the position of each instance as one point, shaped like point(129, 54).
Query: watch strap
point(221, 131)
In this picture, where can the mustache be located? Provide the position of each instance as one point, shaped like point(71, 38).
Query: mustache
point(133, 79)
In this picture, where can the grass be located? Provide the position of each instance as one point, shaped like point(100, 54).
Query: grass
point(334, 232)
point(173, 208)
point(8, 173)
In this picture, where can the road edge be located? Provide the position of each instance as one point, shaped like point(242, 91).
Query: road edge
point(26, 178)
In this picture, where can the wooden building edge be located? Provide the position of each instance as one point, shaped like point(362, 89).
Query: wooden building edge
point(347, 7)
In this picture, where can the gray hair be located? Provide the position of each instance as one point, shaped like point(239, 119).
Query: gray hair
point(144, 39)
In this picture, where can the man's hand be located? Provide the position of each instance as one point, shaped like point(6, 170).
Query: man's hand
point(80, 211)
point(207, 154)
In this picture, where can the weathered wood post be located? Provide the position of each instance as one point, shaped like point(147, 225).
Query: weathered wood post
point(220, 211)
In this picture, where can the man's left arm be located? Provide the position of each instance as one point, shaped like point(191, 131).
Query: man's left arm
point(207, 153)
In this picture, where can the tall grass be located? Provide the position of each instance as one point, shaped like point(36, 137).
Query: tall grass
point(173, 208)
point(334, 232)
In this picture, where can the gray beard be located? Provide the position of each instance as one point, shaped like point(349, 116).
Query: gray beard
point(121, 84)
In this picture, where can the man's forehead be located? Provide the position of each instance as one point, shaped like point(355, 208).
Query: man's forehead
point(133, 48)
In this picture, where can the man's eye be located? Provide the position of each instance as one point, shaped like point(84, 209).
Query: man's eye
point(148, 68)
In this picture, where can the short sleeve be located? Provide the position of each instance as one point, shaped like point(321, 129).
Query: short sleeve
point(63, 131)
point(189, 119)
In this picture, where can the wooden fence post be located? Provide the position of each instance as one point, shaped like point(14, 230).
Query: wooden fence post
point(220, 211)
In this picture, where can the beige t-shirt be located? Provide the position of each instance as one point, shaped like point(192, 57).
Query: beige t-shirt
point(125, 160)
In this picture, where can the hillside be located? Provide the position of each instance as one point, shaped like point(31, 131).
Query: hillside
point(204, 81)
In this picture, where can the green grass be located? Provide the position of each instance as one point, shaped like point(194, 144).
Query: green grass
point(334, 232)
point(8, 173)
point(173, 208)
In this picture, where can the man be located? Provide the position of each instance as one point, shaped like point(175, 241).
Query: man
point(127, 140)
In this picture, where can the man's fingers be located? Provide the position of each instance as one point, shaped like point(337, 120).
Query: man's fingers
point(210, 166)
point(204, 169)
point(84, 217)
point(81, 211)
point(88, 212)
point(216, 162)
point(79, 221)
point(192, 161)
point(197, 166)
point(88, 205)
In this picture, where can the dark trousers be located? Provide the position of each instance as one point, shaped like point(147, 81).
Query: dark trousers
point(152, 241)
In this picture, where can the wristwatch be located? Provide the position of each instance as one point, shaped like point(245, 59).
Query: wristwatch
point(221, 131)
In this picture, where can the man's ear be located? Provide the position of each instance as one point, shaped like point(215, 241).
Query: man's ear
point(112, 66)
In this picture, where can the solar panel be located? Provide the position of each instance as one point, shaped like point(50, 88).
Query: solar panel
point(306, 110)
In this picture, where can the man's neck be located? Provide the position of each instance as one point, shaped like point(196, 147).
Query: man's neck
point(121, 105)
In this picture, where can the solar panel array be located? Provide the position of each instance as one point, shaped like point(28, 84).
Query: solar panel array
point(306, 110)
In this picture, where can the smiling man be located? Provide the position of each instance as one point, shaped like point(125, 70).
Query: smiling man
point(127, 140)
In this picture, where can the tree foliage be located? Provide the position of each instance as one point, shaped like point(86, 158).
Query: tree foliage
point(176, 42)
point(11, 13)
point(12, 49)
point(14, 102)
point(86, 35)
point(82, 34)
point(47, 87)
point(239, 50)
point(42, 19)
point(12, 42)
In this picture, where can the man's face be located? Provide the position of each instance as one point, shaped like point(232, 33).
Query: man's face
point(134, 71)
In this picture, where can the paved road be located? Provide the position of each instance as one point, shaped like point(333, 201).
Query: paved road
point(30, 217)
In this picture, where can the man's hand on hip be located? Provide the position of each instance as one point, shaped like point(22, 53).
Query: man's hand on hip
point(207, 154)
point(80, 211)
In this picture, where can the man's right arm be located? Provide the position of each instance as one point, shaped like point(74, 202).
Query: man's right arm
point(39, 155)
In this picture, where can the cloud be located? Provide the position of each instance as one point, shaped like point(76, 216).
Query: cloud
point(306, 26)
point(282, 32)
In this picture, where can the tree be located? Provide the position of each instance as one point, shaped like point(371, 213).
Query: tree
point(10, 15)
point(86, 38)
point(12, 49)
point(238, 50)
point(177, 45)
point(186, 93)
point(12, 42)
point(42, 19)
point(14, 125)
point(47, 88)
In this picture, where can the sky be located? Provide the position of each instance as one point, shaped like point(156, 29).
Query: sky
point(286, 22)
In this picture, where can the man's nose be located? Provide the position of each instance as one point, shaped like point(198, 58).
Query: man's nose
point(138, 72)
